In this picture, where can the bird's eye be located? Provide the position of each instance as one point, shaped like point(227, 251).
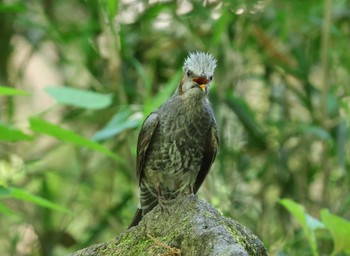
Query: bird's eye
point(189, 73)
point(211, 78)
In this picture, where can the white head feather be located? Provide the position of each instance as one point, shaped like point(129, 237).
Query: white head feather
point(200, 63)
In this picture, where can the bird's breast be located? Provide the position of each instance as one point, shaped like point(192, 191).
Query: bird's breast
point(180, 139)
point(175, 153)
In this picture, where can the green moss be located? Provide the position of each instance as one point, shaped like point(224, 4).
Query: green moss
point(236, 235)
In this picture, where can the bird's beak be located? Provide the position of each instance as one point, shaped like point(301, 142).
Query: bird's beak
point(203, 86)
point(202, 82)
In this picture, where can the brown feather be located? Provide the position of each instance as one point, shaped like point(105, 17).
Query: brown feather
point(177, 143)
point(208, 158)
point(144, 139)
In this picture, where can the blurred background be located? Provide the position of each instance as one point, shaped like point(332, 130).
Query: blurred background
point(78, 78)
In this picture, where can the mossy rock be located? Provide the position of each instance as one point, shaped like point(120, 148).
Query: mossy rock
point(187, 226)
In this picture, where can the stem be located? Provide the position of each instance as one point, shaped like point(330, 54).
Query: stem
point(324, 56)
point(325, 42)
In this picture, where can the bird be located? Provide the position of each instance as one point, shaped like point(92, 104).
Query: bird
point(178, 142)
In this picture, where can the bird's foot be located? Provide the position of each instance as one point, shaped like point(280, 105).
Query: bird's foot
point(189, 191)
point(163, 203)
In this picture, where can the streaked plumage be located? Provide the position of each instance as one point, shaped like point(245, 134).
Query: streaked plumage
point(178, 142)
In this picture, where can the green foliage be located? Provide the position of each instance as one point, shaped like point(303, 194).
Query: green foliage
point(10, 134)
point(21, 194)
point(80, 98)
point(123, 120)
point(280, 95)
point(5, 90)
point(340, 230)
point(337, 226)
point(307, 222)
point(44, 127)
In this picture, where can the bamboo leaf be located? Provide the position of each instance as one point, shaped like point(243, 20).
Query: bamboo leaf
point(247, 118)
point(121, 121)
point(44, 127)
point(10, 134)
point(80, 98)
point(8, 91)
point(23, 195)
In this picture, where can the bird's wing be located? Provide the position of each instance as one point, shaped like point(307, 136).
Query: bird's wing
point(208, 157)
point(145, 136)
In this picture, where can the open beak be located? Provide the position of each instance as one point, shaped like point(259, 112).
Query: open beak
point(202, 82)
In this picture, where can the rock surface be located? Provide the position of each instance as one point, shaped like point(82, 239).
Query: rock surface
point(193, 228)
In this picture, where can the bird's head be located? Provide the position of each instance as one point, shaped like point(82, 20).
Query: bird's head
point(198, 72)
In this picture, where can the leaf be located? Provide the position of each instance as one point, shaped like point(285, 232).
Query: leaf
point(154, 10)
point(5, 90)
point(121, 121)
point(296, 210)
point(317, 131)
point(342, 142)
point(307, 222)
point(220, 26)
point(313, 223)
point(247, 118)
point(339, 229)
point(142, 74)
point(12, 8)
point(80, 98)
point(332, 105)
point(6, 211)
point(10, 134)
point(42, 126)
point(112, 7)
point(23, 195)
point(153, 102)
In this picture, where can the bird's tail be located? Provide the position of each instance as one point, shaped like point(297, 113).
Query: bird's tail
point(148, 202)
point(137, 218)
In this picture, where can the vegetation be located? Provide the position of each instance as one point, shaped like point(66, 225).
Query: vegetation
point(78, 77)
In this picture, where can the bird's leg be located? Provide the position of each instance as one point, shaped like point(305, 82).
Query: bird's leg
point(189, 190)
point(162, 201)
point(160, 197)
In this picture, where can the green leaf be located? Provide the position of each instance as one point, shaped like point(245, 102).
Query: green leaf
point(317, 131)
point(112, 7)
point(307, 222)
point(248, 120)
point(141, 72)
point(5, 90)
point(12, 8)
point(80, 98)
point(121, 121)
point(154, 10)
point(153, 102)
point(313, 223)
point(220, 26)
point(10, 134)
point(332, 105)
point(339, 229)
point(23, 195)
point(296, 210)
point(42, 126)
point(6, 211)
